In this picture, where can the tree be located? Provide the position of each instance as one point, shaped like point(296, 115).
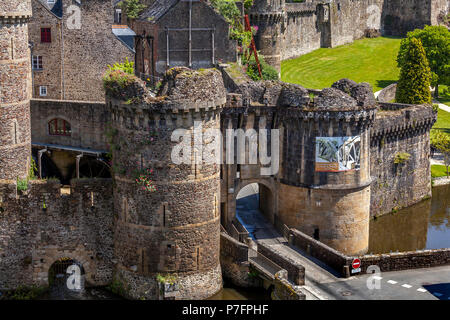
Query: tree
point(441, 142)
point(436, 42)
point(133, 8)
point(415, 75)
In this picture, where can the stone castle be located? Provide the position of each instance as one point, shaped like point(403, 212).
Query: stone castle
point(122, 234)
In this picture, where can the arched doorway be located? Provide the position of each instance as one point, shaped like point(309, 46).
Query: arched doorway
point(255, 209)
point(66, 279)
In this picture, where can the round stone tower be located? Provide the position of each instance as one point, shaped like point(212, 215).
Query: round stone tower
point(326, 167)
point(268, 16)
point(167, 187)
point(15, 89)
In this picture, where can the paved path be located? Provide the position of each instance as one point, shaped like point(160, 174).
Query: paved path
point(442, 106)
point(325, 283)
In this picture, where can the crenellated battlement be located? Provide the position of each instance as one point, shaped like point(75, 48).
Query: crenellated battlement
point(399, 121)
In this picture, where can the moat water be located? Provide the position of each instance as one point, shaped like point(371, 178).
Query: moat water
point(425, 225)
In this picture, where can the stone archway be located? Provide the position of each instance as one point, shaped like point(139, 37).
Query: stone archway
point(43, 260)
point(254, 199)
point(66, 279)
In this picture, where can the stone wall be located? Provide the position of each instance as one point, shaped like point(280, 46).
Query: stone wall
point(177, 17)
point(41, 225)
point(76, 59)
point(234, 262)
point(176, 229)
point(400, 129)
point(284, 290)
point(296, 272)
point(15, 91)
point(88, 121)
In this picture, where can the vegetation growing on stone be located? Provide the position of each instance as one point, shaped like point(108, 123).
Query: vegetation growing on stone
point(415, 75)
point(133, 8)
point(402, 158)
point(268, 72)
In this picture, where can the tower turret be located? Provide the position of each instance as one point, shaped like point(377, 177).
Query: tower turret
point(268, 16)
point(171, 234)
point(326, 167)
point(15, 89)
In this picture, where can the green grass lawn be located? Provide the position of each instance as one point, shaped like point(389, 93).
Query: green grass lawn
point(438, 171)
point(444, 97)
point(366, 60)
point(443, 121)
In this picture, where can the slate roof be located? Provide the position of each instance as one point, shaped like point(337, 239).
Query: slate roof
point(56, 9)
point(125, 35)
point(157, 10)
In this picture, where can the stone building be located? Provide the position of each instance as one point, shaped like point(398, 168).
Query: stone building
point(68, 47)
point(287, 30)
point(336, 168)
point(181, 33)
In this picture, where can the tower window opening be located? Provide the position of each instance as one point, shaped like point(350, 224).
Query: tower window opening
point(46, 35)
point(37, 63)
point(316, 234)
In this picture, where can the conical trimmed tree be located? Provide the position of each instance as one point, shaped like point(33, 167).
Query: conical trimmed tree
point(415, 76)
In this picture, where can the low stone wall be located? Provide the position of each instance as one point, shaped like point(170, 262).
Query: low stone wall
point(234, 262)
point(386, 262)
point(283, 290)
point(407, 260)
point(296, 272)
point(318, 250)
point(388, 93)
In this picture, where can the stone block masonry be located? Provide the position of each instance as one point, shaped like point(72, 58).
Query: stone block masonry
point(175, 230)
point(15, 80)
point(40, 226)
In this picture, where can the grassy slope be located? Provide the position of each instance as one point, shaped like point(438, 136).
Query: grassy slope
point(366, 60)
point(443, 121)
point(438, 171)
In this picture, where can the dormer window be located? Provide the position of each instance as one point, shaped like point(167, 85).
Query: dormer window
point(51, 2)
point(59, 127)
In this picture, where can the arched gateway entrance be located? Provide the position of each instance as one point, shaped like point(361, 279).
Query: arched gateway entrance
point(255, 208)
point(66, 279)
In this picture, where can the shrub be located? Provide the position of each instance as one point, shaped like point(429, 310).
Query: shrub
point(22, 184)
point(268, 72)
point(133, 8)
point(415, 75)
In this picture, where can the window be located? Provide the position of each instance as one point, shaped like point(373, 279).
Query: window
point(118, 16)
point(43, 91)
point(50, 1)
point(46, 35)
point(59, 127)
point(37, 62)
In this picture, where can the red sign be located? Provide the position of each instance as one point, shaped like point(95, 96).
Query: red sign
point(356, 263)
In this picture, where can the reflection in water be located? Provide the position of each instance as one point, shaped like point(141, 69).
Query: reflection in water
point(235, 293)
point(422, 226)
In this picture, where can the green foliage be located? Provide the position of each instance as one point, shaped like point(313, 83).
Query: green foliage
point(32, 170)
point(127, 66)
point(231, 13)
point(22, 184)
point(268, 72)
point(401, 157)
point(133, 8)
point(441, 141)
point(436, 42)
point(169, 278)
point(117, 287)
point(25, 293)
point(415, 75)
